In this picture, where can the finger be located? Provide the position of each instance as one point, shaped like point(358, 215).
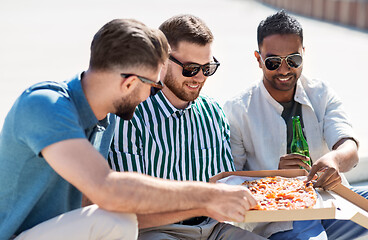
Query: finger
point(238, 217)
point(313, 171)
point(332, 185)
point(295, 156)
point(293, 164)
point(312, 176)
point(331, 180)
point(328, 175)
point(246, 205)
point(235, 217)
point(237, 213)
point(248, 199)
point(252, 202)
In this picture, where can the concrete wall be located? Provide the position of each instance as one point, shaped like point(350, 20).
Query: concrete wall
point(348, 12)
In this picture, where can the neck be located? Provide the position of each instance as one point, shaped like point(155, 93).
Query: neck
point(91, 85)
point(174, 100)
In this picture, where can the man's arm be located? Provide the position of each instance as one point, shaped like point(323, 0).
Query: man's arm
point(238, 150)
point(342, 158)
point(80, 164)
point(159, 219)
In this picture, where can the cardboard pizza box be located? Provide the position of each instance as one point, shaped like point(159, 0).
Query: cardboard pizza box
point(341, 203)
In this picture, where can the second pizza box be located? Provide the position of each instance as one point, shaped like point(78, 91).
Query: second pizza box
point(341, 203)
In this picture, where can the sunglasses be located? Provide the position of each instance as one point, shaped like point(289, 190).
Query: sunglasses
point(191, 69)
point(154, 84)
point(274, 62)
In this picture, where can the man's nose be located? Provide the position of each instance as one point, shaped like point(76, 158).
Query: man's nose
point(284, 67)
point(200, 77)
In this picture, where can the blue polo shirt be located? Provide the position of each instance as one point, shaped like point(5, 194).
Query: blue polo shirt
point(31, 192)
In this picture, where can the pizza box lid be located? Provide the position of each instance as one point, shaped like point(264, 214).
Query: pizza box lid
point(341, 203)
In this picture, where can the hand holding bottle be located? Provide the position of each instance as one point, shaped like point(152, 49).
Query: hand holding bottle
point(294, 161)
point(299, 157)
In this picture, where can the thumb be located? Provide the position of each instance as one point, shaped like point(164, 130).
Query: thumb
point(312, 172)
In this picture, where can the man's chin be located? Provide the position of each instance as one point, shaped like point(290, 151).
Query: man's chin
point(125, 115)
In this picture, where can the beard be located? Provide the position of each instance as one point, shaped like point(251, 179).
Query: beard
point(125, 108)
point(284, 86)
point(125, 112)
point(179, 89)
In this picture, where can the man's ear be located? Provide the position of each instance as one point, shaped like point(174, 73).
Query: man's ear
point(129, 83)
point(258, 57)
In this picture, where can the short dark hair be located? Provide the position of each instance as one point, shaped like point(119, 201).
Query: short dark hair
point(186, 27)
point(278, 23)
point(128, 43)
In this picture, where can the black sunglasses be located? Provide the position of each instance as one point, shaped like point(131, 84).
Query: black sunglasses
point(274, 62)
point(191, 69)
point(154, 84)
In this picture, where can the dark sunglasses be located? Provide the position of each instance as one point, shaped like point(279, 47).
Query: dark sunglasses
point(274, 62)
point(191, 69)
point(154, 84)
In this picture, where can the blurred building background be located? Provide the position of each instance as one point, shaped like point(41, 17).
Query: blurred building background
point(348, 12)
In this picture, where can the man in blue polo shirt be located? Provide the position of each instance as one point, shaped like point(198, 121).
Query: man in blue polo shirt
point(49, 143)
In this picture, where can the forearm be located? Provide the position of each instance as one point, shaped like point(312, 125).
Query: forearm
point(80, 164)
point(346, 154)
point(141, 194)
point(159, 219)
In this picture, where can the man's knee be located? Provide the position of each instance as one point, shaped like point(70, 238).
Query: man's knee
point(111, 225)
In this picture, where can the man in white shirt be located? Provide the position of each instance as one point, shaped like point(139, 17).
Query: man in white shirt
point(261, 127)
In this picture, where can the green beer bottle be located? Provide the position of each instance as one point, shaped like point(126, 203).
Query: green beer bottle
point(299, 144)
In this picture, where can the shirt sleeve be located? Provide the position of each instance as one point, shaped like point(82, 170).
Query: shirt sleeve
point(237, 147)
point(45, 117)
point(336, 123)
point(126, 151)
point(226, 155)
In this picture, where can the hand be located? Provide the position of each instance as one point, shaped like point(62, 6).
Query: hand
point(230, 203)
point(331, 176)
point(294, 161)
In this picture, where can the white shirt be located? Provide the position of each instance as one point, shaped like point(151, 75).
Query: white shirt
point(258, 132)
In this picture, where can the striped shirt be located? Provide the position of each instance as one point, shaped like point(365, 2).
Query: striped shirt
point(178, 144)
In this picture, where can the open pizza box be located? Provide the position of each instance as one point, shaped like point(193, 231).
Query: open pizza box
point(341, 203)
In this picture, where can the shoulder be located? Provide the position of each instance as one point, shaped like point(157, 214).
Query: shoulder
point(46, 97)
point(318, 90)
point(243, 99)
point(204, 99)
point(313, 84)
point(208, 103)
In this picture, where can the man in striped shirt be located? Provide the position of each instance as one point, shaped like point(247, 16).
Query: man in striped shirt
point(177, 134)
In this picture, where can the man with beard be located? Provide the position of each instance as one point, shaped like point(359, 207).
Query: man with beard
point(261, 126)
point(177, 134)
point(49, 142)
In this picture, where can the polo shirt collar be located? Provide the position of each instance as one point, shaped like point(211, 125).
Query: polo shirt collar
point(87, 117)
point(166, 107)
